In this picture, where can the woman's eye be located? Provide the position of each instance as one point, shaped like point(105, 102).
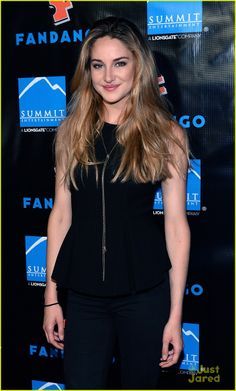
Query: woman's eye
point(96, 66)
point(120, 64)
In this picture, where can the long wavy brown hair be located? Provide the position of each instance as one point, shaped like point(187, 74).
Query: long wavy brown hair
point(146, 130)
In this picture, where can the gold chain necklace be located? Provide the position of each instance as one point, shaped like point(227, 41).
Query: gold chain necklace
point(104, 245)
point(107, 154)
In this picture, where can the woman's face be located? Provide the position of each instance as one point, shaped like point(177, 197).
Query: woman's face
point(112, 70)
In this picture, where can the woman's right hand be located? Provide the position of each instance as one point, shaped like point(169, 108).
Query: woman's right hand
point(53, 316)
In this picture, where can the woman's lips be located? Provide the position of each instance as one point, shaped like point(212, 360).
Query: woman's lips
point(111, 87)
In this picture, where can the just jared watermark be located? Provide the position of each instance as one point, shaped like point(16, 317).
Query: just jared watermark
point(206, 375)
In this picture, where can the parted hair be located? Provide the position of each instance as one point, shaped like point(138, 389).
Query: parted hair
point(147, 132)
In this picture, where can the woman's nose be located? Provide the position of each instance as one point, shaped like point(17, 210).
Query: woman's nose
point(109, 74)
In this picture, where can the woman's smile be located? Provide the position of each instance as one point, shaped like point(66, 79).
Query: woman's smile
point(111, 87)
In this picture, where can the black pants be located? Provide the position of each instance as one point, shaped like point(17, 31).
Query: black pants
point(92, 327)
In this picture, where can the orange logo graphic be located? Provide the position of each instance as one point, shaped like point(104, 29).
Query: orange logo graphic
point(61, 14)
point(161, 81)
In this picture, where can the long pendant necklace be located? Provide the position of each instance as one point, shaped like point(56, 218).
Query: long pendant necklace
point(104, 145)
point(104, 248)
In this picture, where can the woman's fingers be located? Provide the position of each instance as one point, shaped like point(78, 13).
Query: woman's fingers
point(54, 339)
point(172, 358)
point(165, 351)
point(61, 326)
point(53, 326)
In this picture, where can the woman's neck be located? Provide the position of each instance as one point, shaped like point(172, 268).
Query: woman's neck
point(113, 113)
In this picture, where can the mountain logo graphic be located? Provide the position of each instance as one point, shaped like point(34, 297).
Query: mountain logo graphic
point(35, 253)
point(194, 186)
point(41, 385)
point(42, 101)
point(190, 333)
point(193, 199)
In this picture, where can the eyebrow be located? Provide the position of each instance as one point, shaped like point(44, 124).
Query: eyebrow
point(115, 59)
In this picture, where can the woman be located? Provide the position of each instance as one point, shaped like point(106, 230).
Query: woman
point(125, 275)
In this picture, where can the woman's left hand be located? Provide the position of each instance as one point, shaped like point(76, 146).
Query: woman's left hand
point(172, 334)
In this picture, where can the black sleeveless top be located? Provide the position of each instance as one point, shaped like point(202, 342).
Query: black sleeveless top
point(115, 246)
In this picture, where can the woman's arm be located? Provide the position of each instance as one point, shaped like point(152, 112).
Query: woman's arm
point(177, 236)
point(58, 225)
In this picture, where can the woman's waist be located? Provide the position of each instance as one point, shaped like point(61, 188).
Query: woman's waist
point(118, 216)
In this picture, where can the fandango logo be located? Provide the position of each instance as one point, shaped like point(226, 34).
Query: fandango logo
point(61, 8)
point(35, 253)
point(37, 203)
point(44, 385)
point(50, 37)
point(42, 101)
point(186, 121)
point(195, 290)
point(42, 351)
point(167, 17)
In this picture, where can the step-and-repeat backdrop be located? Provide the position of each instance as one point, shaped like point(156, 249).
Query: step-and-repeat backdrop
point(193, 46)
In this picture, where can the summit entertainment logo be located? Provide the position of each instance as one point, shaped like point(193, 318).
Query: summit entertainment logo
point(193, 199)
point(42, 101)
point(190, 332)
point(43, 385)
point(194, 185)
point(35, 253)
point(171, 17)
